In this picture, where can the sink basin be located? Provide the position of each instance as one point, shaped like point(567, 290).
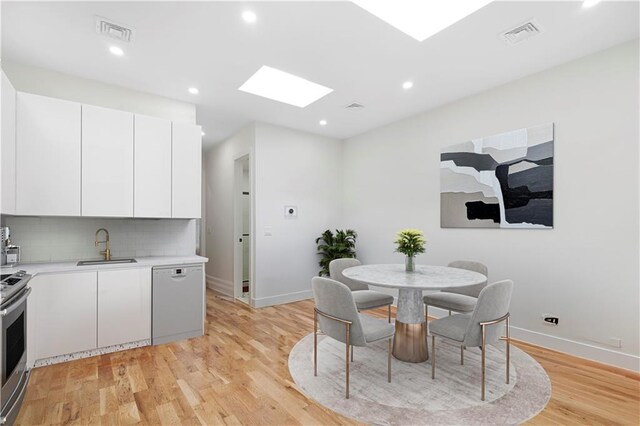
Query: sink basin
point(105, 262)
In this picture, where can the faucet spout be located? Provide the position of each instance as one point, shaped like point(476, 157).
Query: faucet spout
point(107, 251)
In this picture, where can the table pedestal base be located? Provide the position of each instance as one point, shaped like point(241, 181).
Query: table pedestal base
point(410, 342)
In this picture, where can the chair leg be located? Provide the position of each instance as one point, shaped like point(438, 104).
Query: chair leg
point(426, 313)
point(508, 344)
point(461, 354)
point(351, 353)
point(484, 348)
point(389, 314)
point(347, 362)
point(389, 362)
point(449, 312)
point(315, 343)
point(433, 356)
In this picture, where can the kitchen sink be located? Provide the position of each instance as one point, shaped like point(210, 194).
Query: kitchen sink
point(105, 262)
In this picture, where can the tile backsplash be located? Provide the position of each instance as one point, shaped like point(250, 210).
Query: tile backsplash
point(54, 239)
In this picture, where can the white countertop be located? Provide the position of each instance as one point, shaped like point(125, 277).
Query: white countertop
point(46, 268)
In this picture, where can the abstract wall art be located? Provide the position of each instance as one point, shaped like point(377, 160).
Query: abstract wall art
point(500, 181)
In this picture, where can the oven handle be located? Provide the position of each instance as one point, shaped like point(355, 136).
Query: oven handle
point(14, 305)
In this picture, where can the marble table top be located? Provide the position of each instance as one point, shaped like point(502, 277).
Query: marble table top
point(425, 277)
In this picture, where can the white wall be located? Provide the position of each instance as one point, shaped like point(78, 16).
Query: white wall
point(40, 81)
point(287, 167)
point(219, 172)
point(303, 170)
point(585, 270)
point(54, 239)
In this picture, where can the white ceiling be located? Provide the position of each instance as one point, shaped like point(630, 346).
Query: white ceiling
point(336, 44)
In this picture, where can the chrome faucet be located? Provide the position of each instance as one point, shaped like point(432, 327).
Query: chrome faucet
point(107, 251)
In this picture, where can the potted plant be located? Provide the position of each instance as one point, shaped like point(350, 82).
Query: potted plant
point(338, 246)
point(410, 242)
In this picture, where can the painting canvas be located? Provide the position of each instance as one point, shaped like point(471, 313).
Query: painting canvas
point(500, 181)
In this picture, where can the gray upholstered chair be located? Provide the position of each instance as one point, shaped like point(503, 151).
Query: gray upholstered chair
point(458, 299)
point(364, 298)
point(336, 312)
point(480, 328)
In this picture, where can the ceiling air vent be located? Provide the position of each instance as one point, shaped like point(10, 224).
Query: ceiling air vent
point(354, 105)
point(522, 32)
point(114, 30)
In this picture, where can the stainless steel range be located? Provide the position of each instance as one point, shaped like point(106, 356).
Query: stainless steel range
point(13, 365)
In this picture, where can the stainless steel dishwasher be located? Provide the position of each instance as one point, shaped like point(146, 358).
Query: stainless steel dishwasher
point(178, 303)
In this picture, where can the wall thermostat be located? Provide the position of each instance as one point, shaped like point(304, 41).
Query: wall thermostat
point(290, 211)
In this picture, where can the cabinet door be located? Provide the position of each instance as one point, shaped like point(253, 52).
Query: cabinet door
point(48, 156)
point(62, 314)
point(8, 147)
point(186, 185)
point(107, 162)
point(124, 306)
point(152, 168)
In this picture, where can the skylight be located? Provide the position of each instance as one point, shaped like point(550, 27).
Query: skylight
point(421, 19)
point(284, 87)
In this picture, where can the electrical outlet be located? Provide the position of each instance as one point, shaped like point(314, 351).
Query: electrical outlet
point(615, 342)
point(550, 319)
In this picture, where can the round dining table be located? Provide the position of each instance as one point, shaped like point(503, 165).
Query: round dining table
point(410, 339)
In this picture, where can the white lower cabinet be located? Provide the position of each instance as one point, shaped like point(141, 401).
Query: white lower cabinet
point(124, 306)
point(61, 314)
point(81, 311)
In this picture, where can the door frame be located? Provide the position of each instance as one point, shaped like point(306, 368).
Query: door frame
point(238, 231)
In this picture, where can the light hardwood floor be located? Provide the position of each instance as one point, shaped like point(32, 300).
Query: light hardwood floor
point(237, 374)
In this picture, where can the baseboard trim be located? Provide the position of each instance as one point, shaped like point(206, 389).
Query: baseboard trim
point(579, 349)
point(567, 346)
point(91, 352)
point(224, 287)
point(281, 299)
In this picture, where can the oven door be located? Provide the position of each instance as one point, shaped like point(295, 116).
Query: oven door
point(13, 364)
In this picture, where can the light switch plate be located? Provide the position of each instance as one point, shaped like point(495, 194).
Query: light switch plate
point(291, 212)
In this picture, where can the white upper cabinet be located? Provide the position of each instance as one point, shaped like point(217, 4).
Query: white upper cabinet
point(186, 171)
point(8, 147)
point(47, 156)
point(62, 158)
point(107, 162)
point(152, 168)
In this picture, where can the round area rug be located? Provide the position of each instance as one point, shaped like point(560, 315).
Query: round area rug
point(413, 397)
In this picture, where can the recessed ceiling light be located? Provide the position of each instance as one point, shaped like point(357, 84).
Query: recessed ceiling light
point(407, 85)
point(249, 16)
point(284, 87)
point(323, 122)
point(202, 133)
point(421, 19)
point(193, 90)
point(590, 3)
point(116, 50)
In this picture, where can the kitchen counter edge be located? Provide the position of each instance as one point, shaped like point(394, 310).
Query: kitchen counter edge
point(142, 262)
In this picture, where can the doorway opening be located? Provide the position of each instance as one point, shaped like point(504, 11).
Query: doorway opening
point(242, 219)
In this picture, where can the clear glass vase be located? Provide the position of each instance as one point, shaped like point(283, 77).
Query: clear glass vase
point(409, 264)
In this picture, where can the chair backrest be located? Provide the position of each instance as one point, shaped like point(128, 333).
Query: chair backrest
point(336, 267)
point(493, 303)
point(335, 299)
point(471, 290)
